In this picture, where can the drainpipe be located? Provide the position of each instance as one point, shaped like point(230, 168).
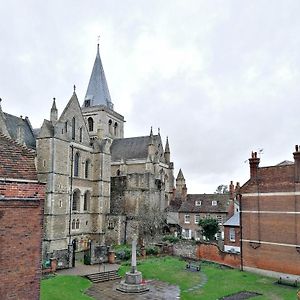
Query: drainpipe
point(241, 233)
point(70, 205)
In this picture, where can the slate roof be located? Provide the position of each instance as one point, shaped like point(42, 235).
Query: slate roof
point(174, 205)
point(233, 221)
point(16, 161)
point(206, 203)
point(97, 91)
point(131, 148)
point(285, 163)
point(12, 123)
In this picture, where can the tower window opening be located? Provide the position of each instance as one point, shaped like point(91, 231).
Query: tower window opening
point(91, 124)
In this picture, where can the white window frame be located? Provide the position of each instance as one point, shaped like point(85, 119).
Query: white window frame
point(197, 217)
point(232, 234)
point(198, 203)
point(186, 233)
point(214, 203)
point(187, 219)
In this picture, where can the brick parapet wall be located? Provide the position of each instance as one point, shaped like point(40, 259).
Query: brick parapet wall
point(211, 252)
point(14, 189)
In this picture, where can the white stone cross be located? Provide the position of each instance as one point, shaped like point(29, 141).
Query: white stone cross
point(133, 254)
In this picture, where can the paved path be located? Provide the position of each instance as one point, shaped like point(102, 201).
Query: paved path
point(158, 291)
point(82, 270)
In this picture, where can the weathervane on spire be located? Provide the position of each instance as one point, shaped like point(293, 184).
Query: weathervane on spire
point(74, 87)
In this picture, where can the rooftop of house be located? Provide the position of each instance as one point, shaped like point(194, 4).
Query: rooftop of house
point(205, 203)
point(16, 161)
point(233, 221)
point(13, 125)
point(174, 205)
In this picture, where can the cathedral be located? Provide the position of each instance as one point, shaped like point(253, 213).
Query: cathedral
point(98, 183)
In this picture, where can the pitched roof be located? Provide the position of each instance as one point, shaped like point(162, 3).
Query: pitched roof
point(174, 205)
point(97, 92)
point(206, 203)
point(13, 123)
point(16, 161)
point(233, 221)
point(131, 148)
point(180, 175)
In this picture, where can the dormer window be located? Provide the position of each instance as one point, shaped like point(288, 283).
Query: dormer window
point(198, 203)
point(214, 203)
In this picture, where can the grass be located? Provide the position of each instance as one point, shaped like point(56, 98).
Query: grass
point(64, 287)
point(221, 282)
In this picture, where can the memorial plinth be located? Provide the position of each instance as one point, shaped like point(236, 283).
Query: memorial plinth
point(133, 282)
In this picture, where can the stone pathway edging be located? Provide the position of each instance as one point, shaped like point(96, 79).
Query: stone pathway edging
point(198, 286)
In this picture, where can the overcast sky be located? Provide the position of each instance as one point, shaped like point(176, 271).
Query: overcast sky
point(220, 78)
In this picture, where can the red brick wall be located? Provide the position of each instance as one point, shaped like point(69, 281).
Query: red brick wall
point(22, 190)
point(21, 228)
point(213, 253)
point(276, 227)
point(272, 257)
point(227, 240)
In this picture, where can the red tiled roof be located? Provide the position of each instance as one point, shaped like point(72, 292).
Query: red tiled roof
point(206, 203)
point(16, 161)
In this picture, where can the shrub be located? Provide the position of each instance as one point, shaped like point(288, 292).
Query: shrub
point(171, 239)
point(123, 253)
point(152, 250)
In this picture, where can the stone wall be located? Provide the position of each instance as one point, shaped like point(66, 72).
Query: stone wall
point(186, 249)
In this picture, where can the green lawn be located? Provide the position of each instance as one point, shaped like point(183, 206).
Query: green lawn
point(221, 282)
point(64, 287)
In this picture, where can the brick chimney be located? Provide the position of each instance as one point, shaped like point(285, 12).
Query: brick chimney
point(230, 207)
point(297, 163)
point(254, 162)
point(231, 190)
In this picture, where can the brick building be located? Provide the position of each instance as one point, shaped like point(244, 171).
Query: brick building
point(270, 217)
point(186, 210)
point(21, 215)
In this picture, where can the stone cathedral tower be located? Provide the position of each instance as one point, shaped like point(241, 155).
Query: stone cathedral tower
point(98, 182)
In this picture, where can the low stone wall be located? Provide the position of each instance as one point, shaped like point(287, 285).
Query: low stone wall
point(211, 252)
point(186, 249)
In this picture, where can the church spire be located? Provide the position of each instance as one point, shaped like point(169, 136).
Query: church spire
point(97, 92)
point(167, 151)
point(53, 113)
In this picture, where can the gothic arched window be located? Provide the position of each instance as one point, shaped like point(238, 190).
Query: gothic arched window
point(115, 128)
point(87, 169)
point(80, 134)
point(76, 200)
point(110, 126)
point(73, 224)
point(73, 128)
point(91, 124)
point(76, 164)
point(86, 200)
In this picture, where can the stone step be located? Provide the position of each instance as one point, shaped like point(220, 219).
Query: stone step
point(103, 276)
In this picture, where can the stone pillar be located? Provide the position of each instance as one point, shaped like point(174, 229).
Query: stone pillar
point(133, 254)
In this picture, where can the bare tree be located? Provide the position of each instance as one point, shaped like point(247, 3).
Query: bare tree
point(151, 220)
